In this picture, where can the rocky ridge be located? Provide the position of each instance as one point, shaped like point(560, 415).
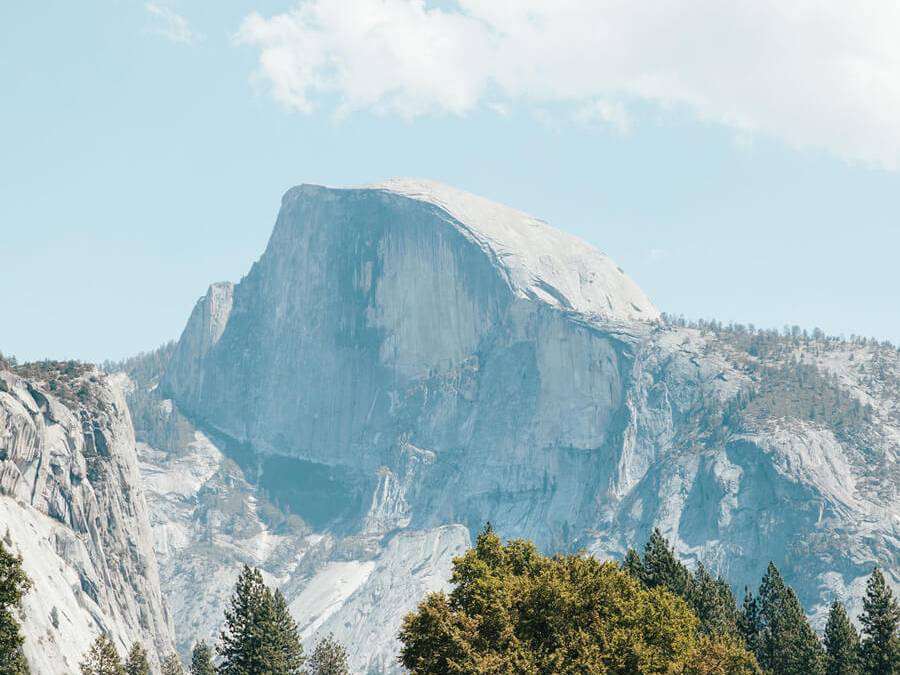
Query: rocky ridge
point(71, 504)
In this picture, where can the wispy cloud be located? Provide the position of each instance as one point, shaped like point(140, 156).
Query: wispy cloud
point(609, 113)
point(813, 74)
point(170, 24)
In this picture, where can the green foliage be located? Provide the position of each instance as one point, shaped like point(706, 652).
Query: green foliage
point(632, 565)
point(749, 622)
point(102, 658)
point(713, 602)
point(841, 643)
point(137, 663)
point(786, 383)
point(144, 367)
point(329, 658)
point(68, 381)
point(787, 643)
point(880, 619)
point(710, 598)
point(260, 637)
point(202, 660)
point(513, 610)
point(241, 639)
point(283, 651)
point(14, 584)
point(662, 569)
point(171, 665)
point(722, 655)
point(802, 391)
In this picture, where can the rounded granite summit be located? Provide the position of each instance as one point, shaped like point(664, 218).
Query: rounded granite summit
point(538, 261)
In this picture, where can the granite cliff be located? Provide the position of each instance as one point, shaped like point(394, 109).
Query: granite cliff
point(406, 361)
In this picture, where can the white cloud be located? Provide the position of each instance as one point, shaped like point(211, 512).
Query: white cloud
point(168, 23)
point(813, 73)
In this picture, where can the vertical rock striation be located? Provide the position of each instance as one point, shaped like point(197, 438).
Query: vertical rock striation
point(72, 505)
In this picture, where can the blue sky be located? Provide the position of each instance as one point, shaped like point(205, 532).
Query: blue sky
point(145, 148)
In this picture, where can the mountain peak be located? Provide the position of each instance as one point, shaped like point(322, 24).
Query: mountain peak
point(539, 261)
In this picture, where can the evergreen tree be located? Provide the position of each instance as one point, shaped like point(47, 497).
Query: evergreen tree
point(748, 622)
point(880, 618)
point(841, 643)
point(202, 660)
point(632, 565)
point(241, 639)
point(171, 665)
point(14, 584)
point(713, 602)
point(137, 663)
point(661, 568)
point(329, 658)
point(260, 636)
point(788, 645)
point(102, 658)
point(284, 653)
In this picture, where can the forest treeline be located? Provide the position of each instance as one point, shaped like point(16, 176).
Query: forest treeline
point(514, 610)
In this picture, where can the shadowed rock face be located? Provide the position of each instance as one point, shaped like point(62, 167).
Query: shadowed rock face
point(406, 358)
point(72, 505)
point(374, 322)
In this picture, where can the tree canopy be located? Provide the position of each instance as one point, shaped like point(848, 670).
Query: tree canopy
point(329, 658)
point(102, 658)
point(202, 660)
point(515, 610)
point(137, 663)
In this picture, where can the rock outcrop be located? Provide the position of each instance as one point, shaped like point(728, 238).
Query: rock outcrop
point(71, 504)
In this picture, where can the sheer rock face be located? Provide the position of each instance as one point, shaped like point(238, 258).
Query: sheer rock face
point(374, 316)
point(405, 358)
point(73, 507)
point(208, 320)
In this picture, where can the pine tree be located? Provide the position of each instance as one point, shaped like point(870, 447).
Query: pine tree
point(171, 665)
point(14, 584)
point(329, 658)
point(137, 663)
point(260, 636)
point(748, 622)
point(663, 569)
point(788, 645)
point(102, 658)
point(241, 639)
point(201, 660)
point(285, 653)
point(632, 565)
point(713, 602)
point(841, 643)
point(880, 618)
